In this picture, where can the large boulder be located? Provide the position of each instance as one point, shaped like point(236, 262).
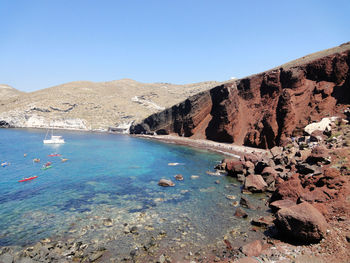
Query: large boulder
point(254, 158)
point(234, 167)
point(291, 189)
point(269, 174)
point(301, 222)
point(323, 125)
point(255, 183)
point(279, 204)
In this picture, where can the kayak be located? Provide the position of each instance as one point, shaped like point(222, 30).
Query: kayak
point(64, 160)
point(174, 164)
point(27, 179)
point(36, 160)
point(46, 167)
point(54, 155)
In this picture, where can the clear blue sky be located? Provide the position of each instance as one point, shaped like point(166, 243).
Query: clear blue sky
point(46, 43)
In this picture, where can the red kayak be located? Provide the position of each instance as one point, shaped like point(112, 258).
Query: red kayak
point(27, 179)
point(54, 155)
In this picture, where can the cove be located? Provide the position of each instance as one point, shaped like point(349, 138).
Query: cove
point(107, 193)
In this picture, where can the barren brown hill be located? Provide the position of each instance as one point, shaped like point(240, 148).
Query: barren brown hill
point(7, 92)
point(92, 105)
point(265, 109)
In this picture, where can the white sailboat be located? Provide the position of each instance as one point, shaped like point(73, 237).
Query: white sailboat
point(55, 139)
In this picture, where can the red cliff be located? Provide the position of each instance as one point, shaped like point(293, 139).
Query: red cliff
point(265, 109)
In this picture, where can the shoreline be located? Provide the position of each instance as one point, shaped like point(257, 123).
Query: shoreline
point(231, 150)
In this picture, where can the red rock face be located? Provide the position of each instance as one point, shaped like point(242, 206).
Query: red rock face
point(262, 110)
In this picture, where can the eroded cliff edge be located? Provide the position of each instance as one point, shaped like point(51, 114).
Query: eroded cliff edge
point(265, 109)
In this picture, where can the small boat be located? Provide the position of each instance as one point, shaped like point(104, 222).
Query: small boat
point(64, 160)
point(46, 167)
point(36, 160)
point(54, 154)
point(5, 164)
point(54, 139)
point(27, 179)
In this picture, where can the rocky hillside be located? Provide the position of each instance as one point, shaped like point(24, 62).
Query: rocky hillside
point(7, 92)
point(308, 182)
point(90, 105)
point(265, 109)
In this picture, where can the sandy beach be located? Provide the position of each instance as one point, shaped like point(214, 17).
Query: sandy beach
point(231, 150)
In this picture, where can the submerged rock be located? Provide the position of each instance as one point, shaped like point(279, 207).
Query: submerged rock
point(240, 213)
point(165, 182)
point(107, 222)
point(179, 177)
point(244, 202)
point(231, 197)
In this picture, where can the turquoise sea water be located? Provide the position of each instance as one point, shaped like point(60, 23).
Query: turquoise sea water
point(109, 176)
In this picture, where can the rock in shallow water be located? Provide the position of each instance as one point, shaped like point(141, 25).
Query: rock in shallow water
point(107, 222)
point(179, 177)
point(165, 182)
point(244, 202)
point(240, 213)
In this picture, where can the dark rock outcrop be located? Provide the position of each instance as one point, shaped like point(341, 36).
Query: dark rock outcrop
point(263, 110)
point(4, 124)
